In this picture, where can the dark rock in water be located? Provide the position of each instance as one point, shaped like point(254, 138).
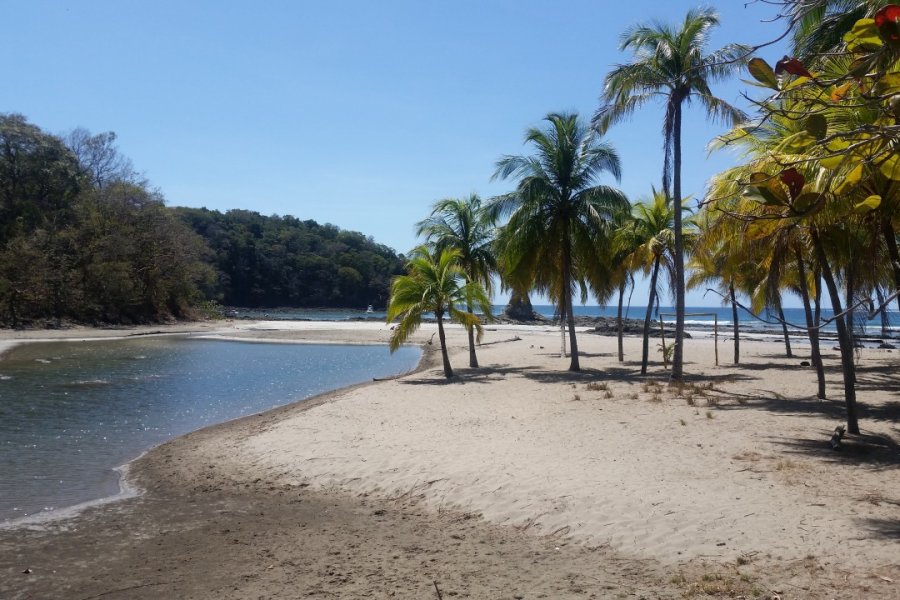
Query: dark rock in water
point(886, 346)
point(608, 326)
point(519, 308)
point(804, 363)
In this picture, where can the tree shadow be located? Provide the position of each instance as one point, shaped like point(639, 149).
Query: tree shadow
point(627, 372)
point(772, 401)
point(768, 366)
point(878, 378)
point(596, 354)
point(873, 451)
point(884, 528)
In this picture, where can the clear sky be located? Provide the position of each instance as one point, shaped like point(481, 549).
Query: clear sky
point(356, 113)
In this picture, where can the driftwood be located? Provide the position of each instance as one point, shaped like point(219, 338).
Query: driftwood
point(836, 437)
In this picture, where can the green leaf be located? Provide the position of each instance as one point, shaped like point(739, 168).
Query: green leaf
point(850, 180)
point(797, 143)
point(836, 156)
point(760, 228)
point(863, 37)
point(816, 125)
point(798, 82)
point(763, 73)
point(869, 204)
point(890, 167)
point(888, 83)
point(859, 67)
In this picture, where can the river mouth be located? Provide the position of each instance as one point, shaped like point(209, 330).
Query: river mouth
point(70, 413)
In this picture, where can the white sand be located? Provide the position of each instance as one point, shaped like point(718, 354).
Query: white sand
point(652, 479)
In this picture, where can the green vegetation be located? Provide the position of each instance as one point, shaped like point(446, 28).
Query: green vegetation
point(83, 238)
point(670, 63)
point(436, 283)
point(650, 234)
point(466, 226)
point(816, 198)
point(558, 230)
point(267, 262)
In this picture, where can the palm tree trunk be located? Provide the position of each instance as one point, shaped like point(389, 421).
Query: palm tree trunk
point(619, 327)
point(817, 306)
point(570, 319)
point(567, 303)
point(850, 284)
point(678, 356)
point(784, 331)
point(562, 336)
point(885, 320)
point(890, 238)
point(812, 330)
point(473, 360)
point(645, 349)
point(735, 324)
point(848, 367)
point(448, 372)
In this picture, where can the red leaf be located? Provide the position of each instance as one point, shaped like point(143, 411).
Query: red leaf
point(792, 66)
point(794, 181)
point(888, 14)
point(887, 20)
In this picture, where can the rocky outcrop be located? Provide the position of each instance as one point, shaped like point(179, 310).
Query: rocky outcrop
point(520, 309)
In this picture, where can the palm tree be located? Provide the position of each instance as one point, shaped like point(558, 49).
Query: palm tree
point(652, 233)
point(435, 284)
point(558, 214)
point(821, 24)
point(725, 258)
point(624, 245)
point(464, 225)
point(670, 64)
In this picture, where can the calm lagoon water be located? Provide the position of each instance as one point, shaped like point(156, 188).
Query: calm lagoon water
point(72, 412)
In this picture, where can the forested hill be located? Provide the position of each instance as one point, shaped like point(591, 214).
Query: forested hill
point(84, 238)
point(267, 262)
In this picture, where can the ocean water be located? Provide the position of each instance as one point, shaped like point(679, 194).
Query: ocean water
point(72, 412)
point(701, 317)
point(704, 316)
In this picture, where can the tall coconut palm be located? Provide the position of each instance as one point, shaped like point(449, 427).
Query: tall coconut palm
point(670, 64)
point(462, 224)
point(558, 212)
point(435, 284)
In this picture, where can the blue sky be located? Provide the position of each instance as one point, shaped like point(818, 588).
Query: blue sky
point(356, 113)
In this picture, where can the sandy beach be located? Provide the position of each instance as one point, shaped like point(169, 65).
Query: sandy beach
point(514, 480)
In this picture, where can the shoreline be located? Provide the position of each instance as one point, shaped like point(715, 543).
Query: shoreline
point(427, 451)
